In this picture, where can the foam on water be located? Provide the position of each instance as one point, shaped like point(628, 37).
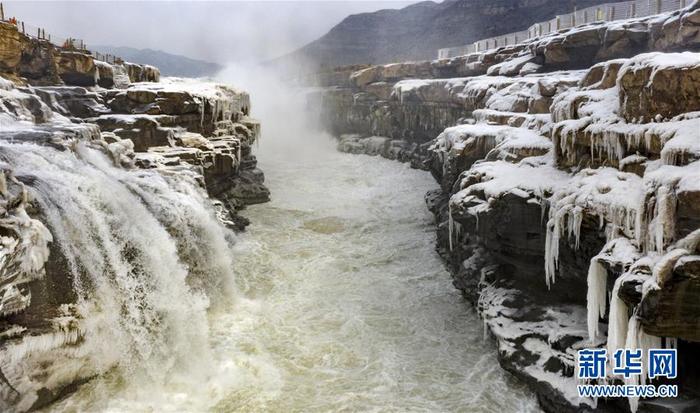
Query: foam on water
point(361, 318)
point(339, 299)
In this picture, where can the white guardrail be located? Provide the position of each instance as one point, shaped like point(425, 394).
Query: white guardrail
point(603, 12)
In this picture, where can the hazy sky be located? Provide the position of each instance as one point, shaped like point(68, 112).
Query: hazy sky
point(219, 31)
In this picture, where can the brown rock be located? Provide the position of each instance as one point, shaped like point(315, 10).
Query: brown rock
point(76, 69)
point(657, 84)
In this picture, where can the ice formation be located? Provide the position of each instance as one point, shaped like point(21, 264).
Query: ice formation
point(142, 249)
point(605, 193)
point(222, 101)
point(596, 297)
point(23, 251)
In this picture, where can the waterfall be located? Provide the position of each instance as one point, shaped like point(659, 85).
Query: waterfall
point(146, 256)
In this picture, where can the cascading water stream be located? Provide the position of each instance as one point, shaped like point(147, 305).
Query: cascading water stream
point(145, 254)
point(336, 299)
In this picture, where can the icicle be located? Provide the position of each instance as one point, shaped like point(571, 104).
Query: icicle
point(596, 297)
point(202, 106)
point(41, 343)
point(553, 235)
point(618, 319)
point(549, 260)
point(575, 224)
point(638, 339)
point(665, 218)
point(450, 223)
point(3, 184)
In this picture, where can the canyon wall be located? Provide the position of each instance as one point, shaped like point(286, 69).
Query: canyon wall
point(116, 192)
point(568, 203)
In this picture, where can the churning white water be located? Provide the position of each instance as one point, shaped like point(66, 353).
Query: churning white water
point(333, 300)
point(350, 308)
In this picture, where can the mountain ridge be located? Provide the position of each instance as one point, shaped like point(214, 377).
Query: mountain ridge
point(417, 31)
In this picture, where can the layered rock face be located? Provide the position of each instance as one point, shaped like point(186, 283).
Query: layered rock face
point(568, 202)
point(170, 159)
point(39, 62)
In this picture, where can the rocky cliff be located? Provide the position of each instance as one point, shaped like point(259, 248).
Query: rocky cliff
point(28, 60)
point(568, 202)
point(93, 157)
point(416, 32)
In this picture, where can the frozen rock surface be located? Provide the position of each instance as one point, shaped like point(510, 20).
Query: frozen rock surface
point(88, 150)
point(568, 202)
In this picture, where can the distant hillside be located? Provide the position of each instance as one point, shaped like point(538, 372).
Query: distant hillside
point(169, 64)
point(416, 32)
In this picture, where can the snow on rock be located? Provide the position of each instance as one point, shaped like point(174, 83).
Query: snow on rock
point(594, 126)
point(494, 179)
point(607, 155)
point(606, 193)
point(524, 332)
point(528, 94)
point(224, 102)
point(460, 146)
point(659, 84)
point(428, 90)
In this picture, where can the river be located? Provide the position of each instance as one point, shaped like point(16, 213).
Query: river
point(341, 302)
point(353, 310)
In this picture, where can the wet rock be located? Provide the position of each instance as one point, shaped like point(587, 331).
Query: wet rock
point(72, 101)
point(145, 126)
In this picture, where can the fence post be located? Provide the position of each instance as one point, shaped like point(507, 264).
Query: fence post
point(22, 27)
point(658, 6)
point(558, 22)
point(573, 18)
point(611, 13)
point(2, 12)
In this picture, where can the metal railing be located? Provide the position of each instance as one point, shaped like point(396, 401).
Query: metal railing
point(604, 12)
point(64, 43)
point(106, 57)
